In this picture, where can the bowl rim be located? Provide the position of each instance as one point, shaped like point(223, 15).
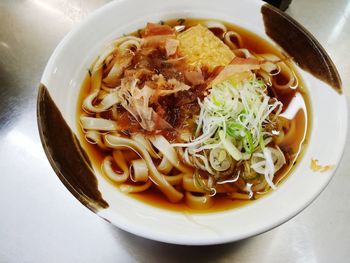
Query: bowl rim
point(140, 231)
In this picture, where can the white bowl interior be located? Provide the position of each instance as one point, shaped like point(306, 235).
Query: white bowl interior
point(68, 67)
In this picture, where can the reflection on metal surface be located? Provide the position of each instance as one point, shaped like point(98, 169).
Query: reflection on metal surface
point(42, 222)
point(339, 26)
point(299, 242)
point(5, 45)
point(70, 9)
point(22, 141)
point(45, 5)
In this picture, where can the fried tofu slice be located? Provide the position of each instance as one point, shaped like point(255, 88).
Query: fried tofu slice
point(202, 48)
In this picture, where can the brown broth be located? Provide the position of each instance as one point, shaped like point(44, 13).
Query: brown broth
point(302, 116)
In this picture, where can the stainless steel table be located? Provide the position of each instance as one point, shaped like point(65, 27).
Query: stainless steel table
point(40, 221)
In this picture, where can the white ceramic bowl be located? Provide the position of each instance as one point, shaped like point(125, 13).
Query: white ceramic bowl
point(67, 67)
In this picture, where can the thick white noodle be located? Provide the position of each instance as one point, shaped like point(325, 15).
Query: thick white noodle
point(120, 64)
point(140, 138)
point(214, 25)
point(168, 190)
point(107, 102)
point(95, 137)
point(112, 48)
point(233, 44)
point(165, 166)
point(111, 174)
point(138, 171)
point(100, 124)
point(128, 188)
point(168, 151)
point(174, 179)
point(199, 202)
point(243, 53)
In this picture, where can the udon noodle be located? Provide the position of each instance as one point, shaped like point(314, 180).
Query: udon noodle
point(195, 110)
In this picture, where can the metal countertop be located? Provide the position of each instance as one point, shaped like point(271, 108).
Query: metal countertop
point(40, 221)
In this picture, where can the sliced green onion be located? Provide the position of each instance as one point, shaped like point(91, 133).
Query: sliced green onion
point(233, 117)
point(248, 143)
point(230, 147)
point(215, 101)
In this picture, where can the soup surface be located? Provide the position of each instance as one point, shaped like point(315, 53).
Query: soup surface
point(193, 115)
